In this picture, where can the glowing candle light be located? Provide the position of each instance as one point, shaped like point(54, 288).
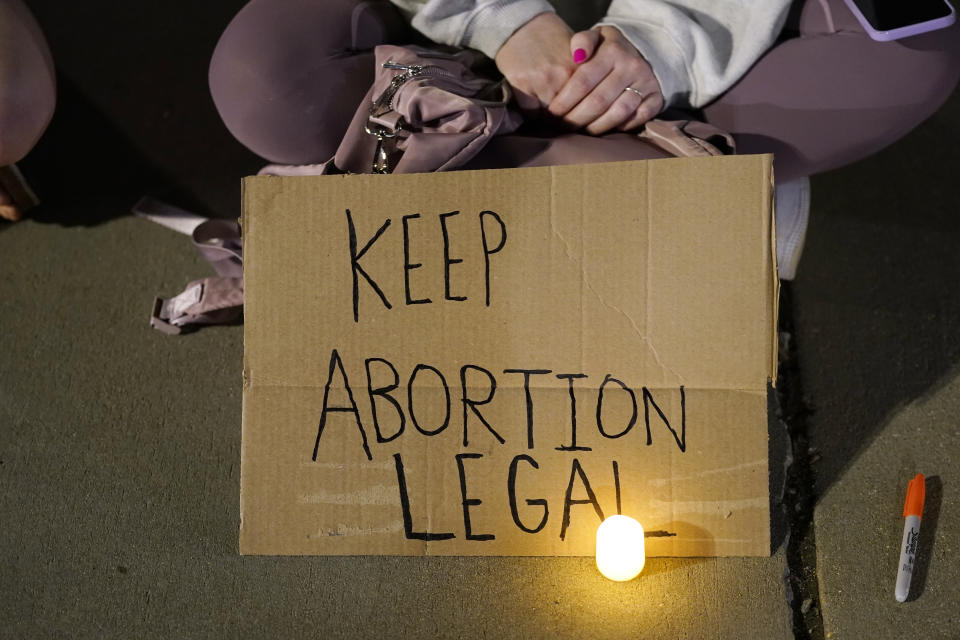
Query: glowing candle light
point(620, 548)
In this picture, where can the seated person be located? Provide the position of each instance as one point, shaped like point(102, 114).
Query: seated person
point(801, 79)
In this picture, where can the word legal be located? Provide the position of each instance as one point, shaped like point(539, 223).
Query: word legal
point(576, 473)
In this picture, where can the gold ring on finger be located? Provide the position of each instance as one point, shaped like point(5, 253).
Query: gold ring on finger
point(636, 91)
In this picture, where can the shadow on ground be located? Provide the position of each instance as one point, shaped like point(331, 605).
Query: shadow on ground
point(134, 114)
point(928, 534)
point(876, 304)
point(87, 171)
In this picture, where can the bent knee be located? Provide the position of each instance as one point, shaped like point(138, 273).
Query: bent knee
point(286, 78)
point(27, 83)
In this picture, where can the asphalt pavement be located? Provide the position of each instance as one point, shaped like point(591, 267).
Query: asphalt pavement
point(119, 446)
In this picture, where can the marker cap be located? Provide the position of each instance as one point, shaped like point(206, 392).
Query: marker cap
point(916, 491)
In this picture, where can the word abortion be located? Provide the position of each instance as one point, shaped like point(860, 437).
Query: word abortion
point(471, 406)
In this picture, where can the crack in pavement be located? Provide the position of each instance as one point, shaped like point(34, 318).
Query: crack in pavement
point(799, 499)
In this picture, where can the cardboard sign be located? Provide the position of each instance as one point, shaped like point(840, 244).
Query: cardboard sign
point(491, 362)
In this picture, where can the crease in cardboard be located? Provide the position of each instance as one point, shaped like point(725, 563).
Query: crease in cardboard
point(709, 506)
point(581, 265)
point(343, 466)
point(716, 574)
point(649, 211)
point(349, 530)
point(585, 280)
point(566, 245)
point(662, 482)
point(377, 494)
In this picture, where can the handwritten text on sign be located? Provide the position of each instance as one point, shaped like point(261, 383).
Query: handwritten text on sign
point(487, 362)
point(476, 387)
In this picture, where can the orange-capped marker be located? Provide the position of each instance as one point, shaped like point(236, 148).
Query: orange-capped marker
point(912, 511)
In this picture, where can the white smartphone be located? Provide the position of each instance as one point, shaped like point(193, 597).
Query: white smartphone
point(888, 20)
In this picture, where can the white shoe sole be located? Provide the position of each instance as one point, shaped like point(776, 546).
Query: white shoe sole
point(792, 215)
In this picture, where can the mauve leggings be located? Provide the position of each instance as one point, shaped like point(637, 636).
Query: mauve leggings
point(287, 76)
point(27, 85)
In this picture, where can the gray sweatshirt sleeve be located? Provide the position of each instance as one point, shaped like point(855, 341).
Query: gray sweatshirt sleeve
point(479, 24)
point(698, 48)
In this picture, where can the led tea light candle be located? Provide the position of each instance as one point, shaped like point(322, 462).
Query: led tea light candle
point(620, 548)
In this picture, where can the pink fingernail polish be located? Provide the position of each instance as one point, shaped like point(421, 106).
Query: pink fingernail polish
point(579, 55)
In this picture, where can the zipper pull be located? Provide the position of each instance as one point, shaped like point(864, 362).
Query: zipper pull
point(381, 162)
point(381, 157)
point(413, 69)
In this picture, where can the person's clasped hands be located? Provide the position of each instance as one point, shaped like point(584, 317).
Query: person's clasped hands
point(594, 80)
